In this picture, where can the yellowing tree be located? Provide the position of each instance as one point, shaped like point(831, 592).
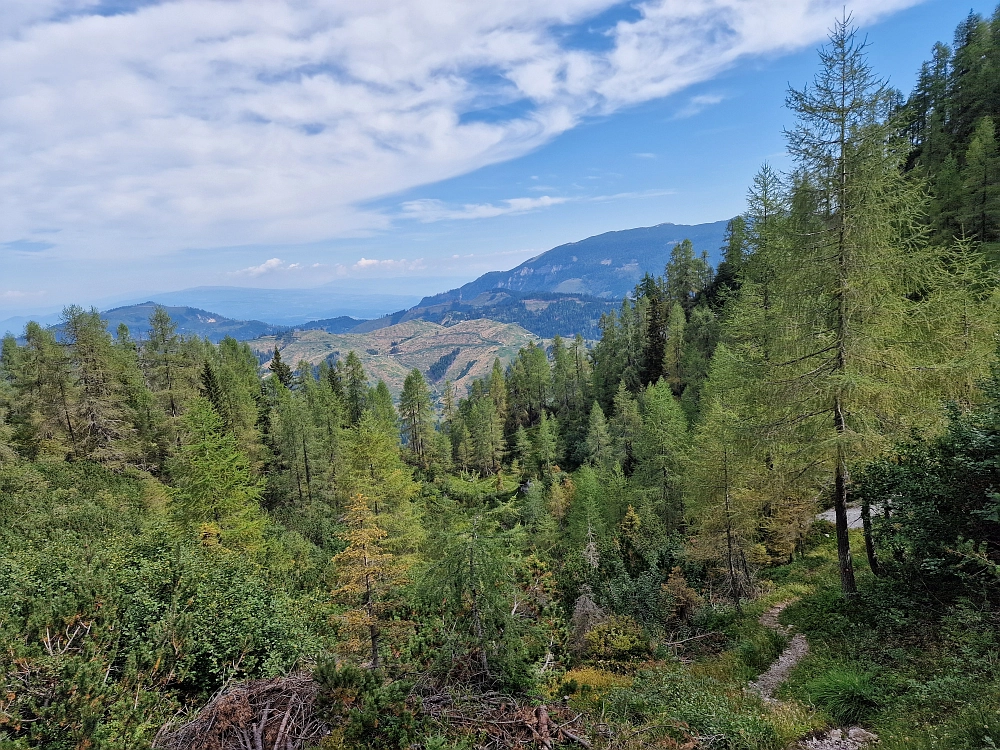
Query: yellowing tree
point(366, 574)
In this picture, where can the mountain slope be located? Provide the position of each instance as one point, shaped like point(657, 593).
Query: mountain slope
point(607, 265)
point(545, 314)
point(190, 321)
point(390, 353)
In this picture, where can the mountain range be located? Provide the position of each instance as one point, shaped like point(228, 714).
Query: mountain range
point(562, 291)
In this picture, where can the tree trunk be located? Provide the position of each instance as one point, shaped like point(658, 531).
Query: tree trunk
point(866, 523)
point(847, 583)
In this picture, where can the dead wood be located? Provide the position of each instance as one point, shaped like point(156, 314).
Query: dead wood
point(272, 714)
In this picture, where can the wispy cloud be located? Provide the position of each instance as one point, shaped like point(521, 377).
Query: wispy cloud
point(207, 123)
point(389, 264)
point(644, 155)
point(26, 246)
point(698, 104)
point(428, 209)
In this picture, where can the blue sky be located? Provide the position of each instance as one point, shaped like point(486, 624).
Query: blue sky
point(406, 147)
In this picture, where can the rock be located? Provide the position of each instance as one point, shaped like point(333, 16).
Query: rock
point(862, 736)
point(836, 735)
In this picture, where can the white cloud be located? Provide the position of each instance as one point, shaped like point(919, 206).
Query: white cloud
point(212, 123)
point(389, 264)
point(273, 265)
point(698, 104)
point(428, 209)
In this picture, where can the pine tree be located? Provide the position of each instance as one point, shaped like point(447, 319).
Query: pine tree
point(215, 494)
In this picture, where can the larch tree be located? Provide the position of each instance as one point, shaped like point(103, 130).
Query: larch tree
point(366, 574)
point(847, 294)
point(167, 369)
point(417, 417)
point(600, 451)
point(355, 387)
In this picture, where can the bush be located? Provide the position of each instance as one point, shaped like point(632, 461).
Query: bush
point(369, 712)
point(618, 639)
point(847, 695)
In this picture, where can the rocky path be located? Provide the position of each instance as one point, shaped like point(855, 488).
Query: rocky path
point(854, 738)
point(778, 672)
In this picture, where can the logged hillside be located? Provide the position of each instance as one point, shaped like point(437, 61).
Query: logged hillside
point(544, 314)
point(390, 353)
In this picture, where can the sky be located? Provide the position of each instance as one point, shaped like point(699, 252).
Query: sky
point(404, 146)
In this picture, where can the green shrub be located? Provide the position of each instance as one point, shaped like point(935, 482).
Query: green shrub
point(370, 712)
point(847, 695)
point(619, 639)
point(975, 728)
point(735, 720)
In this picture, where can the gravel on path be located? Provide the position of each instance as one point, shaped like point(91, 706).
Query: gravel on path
point(798, 647)
point(854, 738)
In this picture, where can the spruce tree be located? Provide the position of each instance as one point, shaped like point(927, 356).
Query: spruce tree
point(282, 371)
point(417, 417)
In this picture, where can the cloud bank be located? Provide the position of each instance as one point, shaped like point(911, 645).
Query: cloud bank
point(146, 127)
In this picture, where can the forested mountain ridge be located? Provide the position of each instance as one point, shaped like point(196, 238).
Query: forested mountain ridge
point(578, 549)
point(190, 321)
point(606, 265)
point(545, 314)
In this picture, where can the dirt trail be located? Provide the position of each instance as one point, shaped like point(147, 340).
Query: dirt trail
point(798, 647)
point(854, 738)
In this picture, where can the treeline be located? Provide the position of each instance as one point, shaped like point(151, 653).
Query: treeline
point(950, 120)
point(173, 521)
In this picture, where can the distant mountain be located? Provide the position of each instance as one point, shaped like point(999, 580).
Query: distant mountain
point(606, 266)
point(343, 324)
point(190, 321)
point(460, 353)
point(567, 289)
point(291, 306)
point(545, 314)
